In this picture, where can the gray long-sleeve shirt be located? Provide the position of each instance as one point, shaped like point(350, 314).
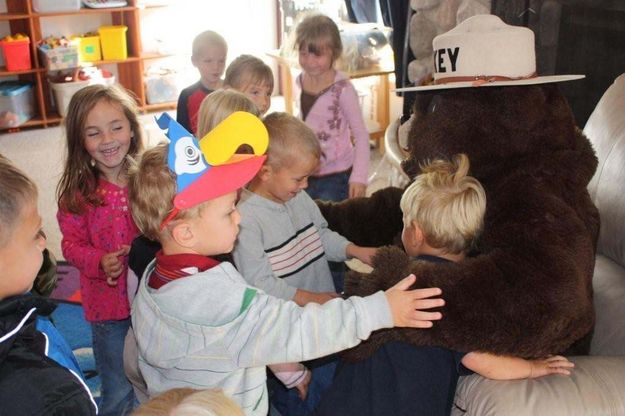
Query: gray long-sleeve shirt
point(212, 330)
point(284, 247)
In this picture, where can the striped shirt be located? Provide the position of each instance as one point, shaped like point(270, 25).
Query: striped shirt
point(284, 247)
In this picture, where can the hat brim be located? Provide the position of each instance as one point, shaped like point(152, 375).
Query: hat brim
point(219, 180)
point(474, 84)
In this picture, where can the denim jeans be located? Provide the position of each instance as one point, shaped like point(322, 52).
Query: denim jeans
point(287, 401)
point(333, 187)
point(117, 396)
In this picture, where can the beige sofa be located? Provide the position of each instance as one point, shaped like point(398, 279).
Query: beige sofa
point(597, 386)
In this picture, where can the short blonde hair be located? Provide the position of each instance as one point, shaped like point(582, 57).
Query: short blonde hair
point(289, 137)
point(218, 105)
point(207, 38)
point(447, 204)
point(317, 32)
point(189, 402)
point(151, 191)
point(16, 191)
point(247, 70)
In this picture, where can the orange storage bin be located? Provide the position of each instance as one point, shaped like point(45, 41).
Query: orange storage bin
point(113, 41)
point(16, 54)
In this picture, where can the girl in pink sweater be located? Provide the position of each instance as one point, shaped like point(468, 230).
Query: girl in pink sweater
point(94, 217)
point(329, 105)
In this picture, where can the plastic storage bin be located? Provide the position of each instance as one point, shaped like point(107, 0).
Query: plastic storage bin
point(162, 88)
point(113, 40)
point(89, 48)
point(64, 91)
point(17, 103)
point(49, 6)
point(16, 54)
point(62, 57)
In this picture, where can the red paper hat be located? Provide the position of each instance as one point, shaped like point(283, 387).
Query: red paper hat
point(198, 181)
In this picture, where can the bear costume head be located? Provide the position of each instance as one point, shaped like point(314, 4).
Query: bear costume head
point(527, 289)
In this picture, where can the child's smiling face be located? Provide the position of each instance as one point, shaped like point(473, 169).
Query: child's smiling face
point(107, 137)
point(285, 182)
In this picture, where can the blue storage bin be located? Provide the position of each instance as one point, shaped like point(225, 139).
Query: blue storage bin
point(17, 103)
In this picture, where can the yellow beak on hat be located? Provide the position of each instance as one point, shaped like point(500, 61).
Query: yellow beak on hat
point(220, 144)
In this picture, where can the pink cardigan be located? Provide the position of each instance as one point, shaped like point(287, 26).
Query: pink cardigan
point(336, 117)
point(86, 238)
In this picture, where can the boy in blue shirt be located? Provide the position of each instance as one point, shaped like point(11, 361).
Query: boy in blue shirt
point(443, 213)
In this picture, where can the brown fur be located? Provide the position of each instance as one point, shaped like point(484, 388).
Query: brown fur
point(527, 291)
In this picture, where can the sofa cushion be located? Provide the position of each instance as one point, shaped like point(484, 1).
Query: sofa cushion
point(609, 299)
point(606, 131)
point(595, 387)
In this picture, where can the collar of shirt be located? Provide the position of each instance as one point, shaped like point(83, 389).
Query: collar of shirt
point(175, 266)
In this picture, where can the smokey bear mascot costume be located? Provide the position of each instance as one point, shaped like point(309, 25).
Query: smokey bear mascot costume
point(526, 290)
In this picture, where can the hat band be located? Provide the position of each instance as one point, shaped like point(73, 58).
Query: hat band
point(481, 79)
point(175, 211)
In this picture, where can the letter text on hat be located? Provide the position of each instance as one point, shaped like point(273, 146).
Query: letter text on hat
point(439, 59)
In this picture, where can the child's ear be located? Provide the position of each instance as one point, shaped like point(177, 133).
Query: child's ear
point(265, 172)
point(415, 235)
point(182, 234)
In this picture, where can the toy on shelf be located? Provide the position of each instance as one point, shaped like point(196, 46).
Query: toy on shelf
point(59, 53)
point(16, 52)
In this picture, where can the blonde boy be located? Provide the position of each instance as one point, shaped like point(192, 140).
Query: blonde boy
point(285, 243)
point(209, 51)
point(443, 213)
point(251, 76)
point(38, 374)
point(197, 322)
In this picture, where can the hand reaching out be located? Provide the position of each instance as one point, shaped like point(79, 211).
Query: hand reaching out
point(112, 265)
point(556, 364)
point(364, 254)
point(406, 305)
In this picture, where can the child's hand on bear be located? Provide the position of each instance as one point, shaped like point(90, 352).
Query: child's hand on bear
point(406, 305)
point(364, 254)
point(556, 364)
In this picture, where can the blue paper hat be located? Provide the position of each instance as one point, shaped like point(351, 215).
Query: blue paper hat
point(197, 180)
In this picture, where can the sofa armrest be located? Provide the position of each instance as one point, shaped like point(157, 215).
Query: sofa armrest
point(609, 299)
point(596, 387)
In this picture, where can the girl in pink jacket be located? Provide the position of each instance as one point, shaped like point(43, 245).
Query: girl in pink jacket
point(97, 226)
point(329, 104)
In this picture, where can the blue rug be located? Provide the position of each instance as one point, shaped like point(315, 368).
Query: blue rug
point(70, 320)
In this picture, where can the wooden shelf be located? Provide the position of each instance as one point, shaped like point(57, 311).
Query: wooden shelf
point(22, 18)
point(5, 73)
point(88, 11)
point(160, 106)
point(13, 16)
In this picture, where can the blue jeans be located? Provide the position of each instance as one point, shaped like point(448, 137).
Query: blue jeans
point(118, 398)
point(333, 187)
point(287, 401)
